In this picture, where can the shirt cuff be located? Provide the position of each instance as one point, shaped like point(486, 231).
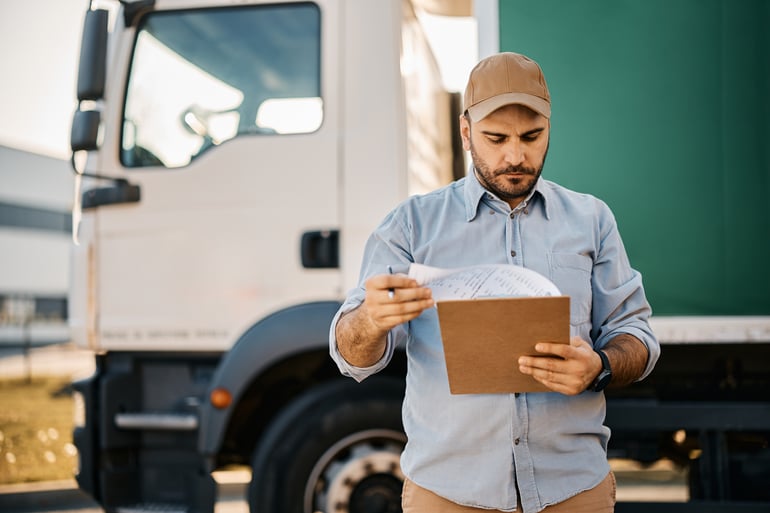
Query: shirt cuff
point(646, 338)
point(347, 369)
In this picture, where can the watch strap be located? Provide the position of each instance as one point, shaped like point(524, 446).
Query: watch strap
point(605, 375)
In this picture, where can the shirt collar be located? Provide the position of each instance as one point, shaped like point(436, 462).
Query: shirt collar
point(474, 192)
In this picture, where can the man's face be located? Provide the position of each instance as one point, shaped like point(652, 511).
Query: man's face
point(508, 148)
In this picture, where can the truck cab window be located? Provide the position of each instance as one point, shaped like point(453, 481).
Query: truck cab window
point(202, 77)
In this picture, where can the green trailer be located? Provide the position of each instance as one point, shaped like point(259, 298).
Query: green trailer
point(661, 109)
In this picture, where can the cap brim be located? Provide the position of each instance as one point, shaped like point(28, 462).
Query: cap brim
point(485, 108)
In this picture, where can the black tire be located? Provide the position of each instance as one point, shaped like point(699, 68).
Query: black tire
point(335, 449)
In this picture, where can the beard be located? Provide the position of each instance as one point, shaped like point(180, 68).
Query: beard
point(512, 183)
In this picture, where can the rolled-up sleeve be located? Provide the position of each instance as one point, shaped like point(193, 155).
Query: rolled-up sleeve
point(619, 301)
point(357, 373)
point(385, 248)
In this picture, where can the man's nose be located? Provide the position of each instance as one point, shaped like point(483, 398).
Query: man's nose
point(514, 154)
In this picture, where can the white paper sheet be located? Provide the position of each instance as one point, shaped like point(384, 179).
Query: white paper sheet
point(482, 281)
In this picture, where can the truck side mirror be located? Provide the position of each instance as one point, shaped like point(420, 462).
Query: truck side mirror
point(85, 130)
point(93, 56)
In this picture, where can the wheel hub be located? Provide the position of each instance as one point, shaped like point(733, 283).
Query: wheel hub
point(360, 474)
point(368, 482)
point(378, 493)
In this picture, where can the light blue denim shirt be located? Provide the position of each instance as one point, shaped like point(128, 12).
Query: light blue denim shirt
point(475, 449)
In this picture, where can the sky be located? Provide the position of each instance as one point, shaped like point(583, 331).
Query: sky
point(39, 47)
point(39, 50)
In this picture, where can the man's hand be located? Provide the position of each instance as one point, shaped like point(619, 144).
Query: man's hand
point(568, 369)
point(407, 302)
point(361, 332)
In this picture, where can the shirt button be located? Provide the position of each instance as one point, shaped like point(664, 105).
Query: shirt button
point(516, 442)
point(516, 394)
point(492, 212)
point(513, 214)
point(513, 253)
point(526, 211)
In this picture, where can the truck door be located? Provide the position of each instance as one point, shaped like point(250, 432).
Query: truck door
point(225, 120)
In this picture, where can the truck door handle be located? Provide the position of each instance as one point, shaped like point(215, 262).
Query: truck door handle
point(320, 249)
point(121, 192)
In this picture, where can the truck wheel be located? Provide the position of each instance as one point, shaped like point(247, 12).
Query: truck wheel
point(335, 449)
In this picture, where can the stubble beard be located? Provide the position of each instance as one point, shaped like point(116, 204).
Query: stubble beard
point(502, 182)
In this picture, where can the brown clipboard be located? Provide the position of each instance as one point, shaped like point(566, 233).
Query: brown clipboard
point(484, 338)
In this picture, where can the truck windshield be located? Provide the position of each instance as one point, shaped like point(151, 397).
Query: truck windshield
point(201, 77)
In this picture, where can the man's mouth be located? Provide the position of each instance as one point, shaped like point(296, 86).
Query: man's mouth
point(515, 172)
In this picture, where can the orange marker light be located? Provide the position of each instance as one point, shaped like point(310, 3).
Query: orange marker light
point(220, 398)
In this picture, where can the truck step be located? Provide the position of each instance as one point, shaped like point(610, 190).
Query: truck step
point(157, 421)
point(147, 507)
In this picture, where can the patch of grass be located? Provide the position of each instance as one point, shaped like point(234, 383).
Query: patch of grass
point(36, 430)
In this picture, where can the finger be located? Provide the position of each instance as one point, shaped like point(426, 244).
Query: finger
point(551, 348)
point(401, 305)
point(392, 321)
point(396, 312)
point(552, 369)
point(544, 376)
point(576, 347)
point(390, 281)
point(542, 364)
point(558, 382)
point(400, 295)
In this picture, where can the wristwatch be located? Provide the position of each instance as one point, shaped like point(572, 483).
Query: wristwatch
point(605, 375)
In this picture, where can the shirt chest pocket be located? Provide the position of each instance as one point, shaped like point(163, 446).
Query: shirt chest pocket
point(571, 272)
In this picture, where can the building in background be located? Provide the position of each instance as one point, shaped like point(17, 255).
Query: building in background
point(35, 235)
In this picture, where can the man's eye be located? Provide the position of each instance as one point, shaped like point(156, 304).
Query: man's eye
point(497, 140)
point(529, 137)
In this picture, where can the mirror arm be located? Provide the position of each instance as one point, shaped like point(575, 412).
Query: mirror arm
point(96, 176)
point(124, 192)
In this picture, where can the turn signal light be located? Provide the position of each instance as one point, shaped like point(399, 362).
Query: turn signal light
point(220, 398)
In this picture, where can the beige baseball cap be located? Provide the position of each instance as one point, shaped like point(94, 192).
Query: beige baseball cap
point(504, 79)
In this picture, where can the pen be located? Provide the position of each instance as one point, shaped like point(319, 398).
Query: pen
point(391, 291)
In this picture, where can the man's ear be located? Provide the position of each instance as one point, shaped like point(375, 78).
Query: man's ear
point(465, 132)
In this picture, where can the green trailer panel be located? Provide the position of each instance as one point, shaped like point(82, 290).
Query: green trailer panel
point(661, 109)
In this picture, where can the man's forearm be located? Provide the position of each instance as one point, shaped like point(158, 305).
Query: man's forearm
point(628, 359)
point(359, 342)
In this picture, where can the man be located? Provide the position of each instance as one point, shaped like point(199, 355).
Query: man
point(498, 451)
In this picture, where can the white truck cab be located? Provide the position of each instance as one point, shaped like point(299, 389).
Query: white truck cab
point(232, 157)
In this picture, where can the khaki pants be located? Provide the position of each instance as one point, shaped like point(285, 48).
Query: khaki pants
point(600, 499)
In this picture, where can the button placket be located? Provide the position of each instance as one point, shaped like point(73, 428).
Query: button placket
point(515, 242)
